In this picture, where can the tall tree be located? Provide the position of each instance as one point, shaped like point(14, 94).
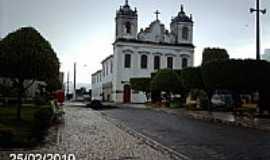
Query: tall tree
point(214, 54)
point(168, 81)
point(192, 78)
point(25, 58)
point(239, 76)
point(141, 84)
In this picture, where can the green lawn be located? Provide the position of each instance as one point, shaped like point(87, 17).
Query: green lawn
point(23, 128)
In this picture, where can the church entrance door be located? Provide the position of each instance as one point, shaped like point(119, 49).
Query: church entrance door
point(127, 92)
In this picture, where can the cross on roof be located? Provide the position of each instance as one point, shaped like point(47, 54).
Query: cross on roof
point(157, 13)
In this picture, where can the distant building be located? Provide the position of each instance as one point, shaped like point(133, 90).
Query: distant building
point(97, 85)
point(30, 92)
point(138, 54)
point(33, 90)
point(266, 55)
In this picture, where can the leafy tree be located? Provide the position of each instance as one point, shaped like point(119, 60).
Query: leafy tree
point(27, 56)
point(191, 78)
point(141, 84)
point(238, 76)
point(214, 54)
point(168, 81)
point(53, 84)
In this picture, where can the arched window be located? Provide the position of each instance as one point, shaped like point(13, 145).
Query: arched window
point(170, 62)
point(156, 62)
point(184, 63)
point(143, 61)
point(185, 33)
point(128, 27)
point(127, 60)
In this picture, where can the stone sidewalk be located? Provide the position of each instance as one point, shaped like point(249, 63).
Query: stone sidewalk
point(91, 137)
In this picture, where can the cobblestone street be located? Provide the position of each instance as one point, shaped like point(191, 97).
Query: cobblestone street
point(199, 140)
point(90, 137)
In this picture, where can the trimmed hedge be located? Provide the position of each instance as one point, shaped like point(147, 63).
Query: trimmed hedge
point(7, 135)
point(44, 116)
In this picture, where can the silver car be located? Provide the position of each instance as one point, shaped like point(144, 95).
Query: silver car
point(221, 100)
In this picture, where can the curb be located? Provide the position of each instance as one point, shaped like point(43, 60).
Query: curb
point(152, 143)
point(244, 123)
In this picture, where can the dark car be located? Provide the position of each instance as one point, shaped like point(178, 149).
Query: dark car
point(95, 104)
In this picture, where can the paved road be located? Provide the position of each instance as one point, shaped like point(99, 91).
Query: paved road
point(197, 139)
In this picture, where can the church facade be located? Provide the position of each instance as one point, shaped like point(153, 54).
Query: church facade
point(138, 54)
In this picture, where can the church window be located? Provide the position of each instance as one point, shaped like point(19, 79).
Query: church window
point(128, 27)
point(103, 70)
point(143, 61)
point(184, 63)
point(111, 67)
point(106, 69)
point(156, 62)
point(127, 60)
point(170, 62)
point(185, 33)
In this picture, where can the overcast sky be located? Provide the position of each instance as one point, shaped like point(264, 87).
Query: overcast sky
point(84, 30)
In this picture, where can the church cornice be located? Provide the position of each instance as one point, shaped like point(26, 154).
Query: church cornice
point(107, 58)
point(154, 43)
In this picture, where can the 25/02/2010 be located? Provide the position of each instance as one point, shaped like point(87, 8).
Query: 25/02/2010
point(32, 156)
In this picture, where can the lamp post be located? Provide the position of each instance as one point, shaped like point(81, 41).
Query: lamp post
point(67, 83)
point(75, 96)
point(258, 11)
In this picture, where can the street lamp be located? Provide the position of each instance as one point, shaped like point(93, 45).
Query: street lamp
point(75, 70)
point(258, 11)
point(75, 78)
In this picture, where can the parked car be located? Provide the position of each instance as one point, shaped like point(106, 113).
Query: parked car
point(95, 104)
point(222, 101)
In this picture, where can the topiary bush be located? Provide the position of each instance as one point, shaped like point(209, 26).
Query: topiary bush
point(40, 100)
point(7, 135)
point(44, 116)
point(43, 119)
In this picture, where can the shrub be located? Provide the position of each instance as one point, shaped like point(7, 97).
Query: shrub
point(40, 100)
point(43, 119)
point(44, 116)
point(6, 135)
point(176, 103)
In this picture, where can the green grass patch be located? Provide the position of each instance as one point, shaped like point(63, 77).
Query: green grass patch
point(23, 128)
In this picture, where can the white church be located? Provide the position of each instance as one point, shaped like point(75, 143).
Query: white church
point(138, 54)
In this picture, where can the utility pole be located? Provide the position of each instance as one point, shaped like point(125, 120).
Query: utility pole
point(258, 11)
point(75, 81)
point(67, 83)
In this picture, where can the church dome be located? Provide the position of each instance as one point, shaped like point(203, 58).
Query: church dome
point(182, 17)
point(126, 10)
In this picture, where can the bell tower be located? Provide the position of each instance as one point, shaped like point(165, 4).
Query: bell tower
point(126, 22)
point(182, 27)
